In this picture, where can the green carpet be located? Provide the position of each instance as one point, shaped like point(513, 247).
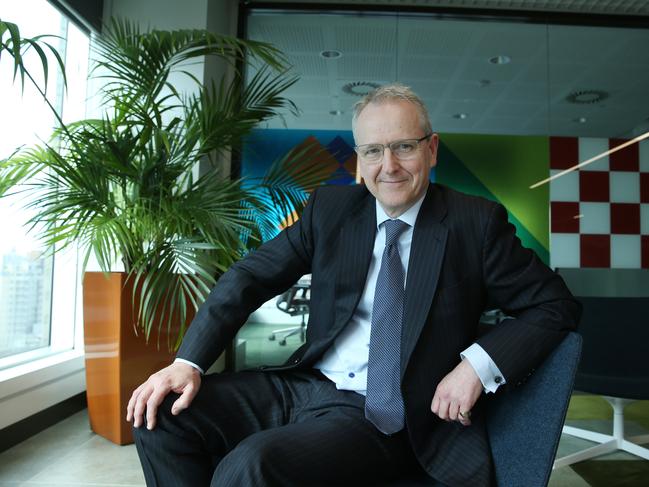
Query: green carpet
point(585, 406)
point(609, 473)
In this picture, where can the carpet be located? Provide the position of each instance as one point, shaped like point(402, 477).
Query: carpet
point(610, 473)
point(586, 406)
point(614, 473)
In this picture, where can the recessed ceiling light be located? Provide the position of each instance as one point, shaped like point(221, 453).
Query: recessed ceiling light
point(360, 88)
point(461, 116)
point(581, 120)
point(502, 59)
point(331, 54)
point(335, 112)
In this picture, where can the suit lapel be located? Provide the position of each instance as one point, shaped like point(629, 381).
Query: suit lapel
point(353, 252)
point(426, 256)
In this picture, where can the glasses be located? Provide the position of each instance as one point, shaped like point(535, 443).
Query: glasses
point(401, 149)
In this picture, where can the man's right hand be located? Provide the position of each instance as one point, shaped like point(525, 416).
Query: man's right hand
point(178, 377)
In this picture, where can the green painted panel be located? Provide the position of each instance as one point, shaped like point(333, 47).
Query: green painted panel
point(507, 166)
point(451, 171)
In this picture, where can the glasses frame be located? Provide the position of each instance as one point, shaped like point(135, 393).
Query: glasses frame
point(358, 148)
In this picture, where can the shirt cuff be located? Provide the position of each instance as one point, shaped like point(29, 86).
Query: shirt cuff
point(183, 361)
point(487, 370)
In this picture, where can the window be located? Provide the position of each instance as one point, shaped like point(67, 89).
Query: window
point(32, 322)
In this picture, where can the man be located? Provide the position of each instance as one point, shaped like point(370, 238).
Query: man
point(387, 379)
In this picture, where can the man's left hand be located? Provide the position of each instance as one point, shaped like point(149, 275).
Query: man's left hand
point(457, 393)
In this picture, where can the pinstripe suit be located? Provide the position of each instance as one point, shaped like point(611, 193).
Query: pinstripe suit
point(464, 255)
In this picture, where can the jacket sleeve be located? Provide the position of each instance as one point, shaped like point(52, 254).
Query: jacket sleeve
point(266, 272)
point(541, 306)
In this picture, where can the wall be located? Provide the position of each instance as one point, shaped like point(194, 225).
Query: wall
point(600, 214)
point(500, 168)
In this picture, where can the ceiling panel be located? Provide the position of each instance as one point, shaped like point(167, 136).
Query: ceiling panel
point(427, 68)
point(447, 62)
point(309, 65)
point(366, 67)
point(614, 7)
point(371, 38)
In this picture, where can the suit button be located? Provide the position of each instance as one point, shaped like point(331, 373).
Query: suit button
point(498, 379)
point(296, 361)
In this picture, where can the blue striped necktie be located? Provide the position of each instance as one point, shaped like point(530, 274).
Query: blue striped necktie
point(384, 403)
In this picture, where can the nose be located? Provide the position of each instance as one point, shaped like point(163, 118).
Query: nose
point(389, 163)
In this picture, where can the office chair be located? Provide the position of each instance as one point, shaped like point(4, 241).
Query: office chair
point(295, 302)
point(614, 365)
point(524, 424)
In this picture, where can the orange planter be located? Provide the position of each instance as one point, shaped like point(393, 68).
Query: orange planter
point(117, 360)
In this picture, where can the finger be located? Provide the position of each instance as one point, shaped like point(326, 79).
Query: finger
point(434, 405)
point(442, 412)
point(152, 404)
point(464, 416)
point(140, 405)
point(131, 404)
point(454, 411)
point(184, 400)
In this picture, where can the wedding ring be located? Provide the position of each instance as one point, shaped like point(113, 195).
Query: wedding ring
point(466, 415)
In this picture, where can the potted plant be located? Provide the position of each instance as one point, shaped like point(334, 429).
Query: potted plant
point(124, 188)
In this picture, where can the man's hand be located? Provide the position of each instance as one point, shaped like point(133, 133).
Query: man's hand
point(178, 377)
point(457, 393)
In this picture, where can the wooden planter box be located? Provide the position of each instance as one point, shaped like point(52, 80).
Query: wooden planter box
point(117, 360)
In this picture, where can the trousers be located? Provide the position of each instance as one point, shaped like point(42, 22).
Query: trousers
point(254, 428)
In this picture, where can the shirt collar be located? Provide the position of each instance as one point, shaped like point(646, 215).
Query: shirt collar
point(409, 216)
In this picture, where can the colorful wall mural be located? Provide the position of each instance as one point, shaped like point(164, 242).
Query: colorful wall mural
point(600, 215)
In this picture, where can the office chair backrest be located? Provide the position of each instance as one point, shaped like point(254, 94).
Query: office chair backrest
point(525, 423)
point(616, 334)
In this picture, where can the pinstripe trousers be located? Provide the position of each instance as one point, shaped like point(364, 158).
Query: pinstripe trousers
point(253, 428)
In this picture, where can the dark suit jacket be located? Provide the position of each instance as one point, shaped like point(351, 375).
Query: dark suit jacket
point(464, 254)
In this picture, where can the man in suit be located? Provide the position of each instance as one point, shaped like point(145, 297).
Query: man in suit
point(389, 380)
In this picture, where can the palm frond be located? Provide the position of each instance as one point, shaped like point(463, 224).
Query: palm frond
point(284, 189)
point(16, 46)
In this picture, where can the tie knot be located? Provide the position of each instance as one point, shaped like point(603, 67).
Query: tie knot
point(393, 228)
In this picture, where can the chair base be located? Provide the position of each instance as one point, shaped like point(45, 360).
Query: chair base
point(608, 443)
point(284, 333)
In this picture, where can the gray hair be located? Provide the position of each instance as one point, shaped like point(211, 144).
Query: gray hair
point(393, 92)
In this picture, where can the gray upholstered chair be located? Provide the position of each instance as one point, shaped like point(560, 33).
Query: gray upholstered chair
point(525, 423)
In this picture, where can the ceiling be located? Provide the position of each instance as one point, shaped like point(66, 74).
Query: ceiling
point(615, 7)
point(447, 62)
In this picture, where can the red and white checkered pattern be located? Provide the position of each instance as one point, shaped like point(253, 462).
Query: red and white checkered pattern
point(599, 214)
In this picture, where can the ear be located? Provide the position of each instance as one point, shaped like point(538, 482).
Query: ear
point(432, 146)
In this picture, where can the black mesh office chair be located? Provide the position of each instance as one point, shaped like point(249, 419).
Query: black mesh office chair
point(294, 302)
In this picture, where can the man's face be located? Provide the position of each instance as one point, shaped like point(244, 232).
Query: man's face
point(395, 183)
